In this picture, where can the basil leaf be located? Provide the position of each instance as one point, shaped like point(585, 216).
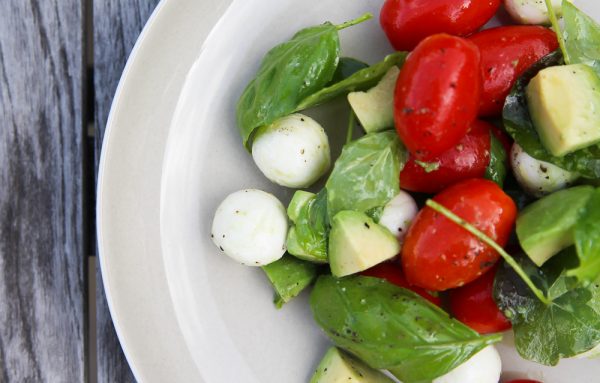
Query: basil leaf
point(289, 73)
point(307, 239)
point(496, 169)
point(346, 68)
point(392, 328)
point(581, 37)
point(365, 176)
point(566, 327)
point(587, 241)
point(362, 80)
point(289, 276)
point(518, 124)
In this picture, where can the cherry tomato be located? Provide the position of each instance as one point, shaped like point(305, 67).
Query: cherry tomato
point(437, 95)
point(467, 159)
point(473, 304)
point(524, 381)
point(438, 254)
point(393, 274)
point(506, 52)
point(407, 22)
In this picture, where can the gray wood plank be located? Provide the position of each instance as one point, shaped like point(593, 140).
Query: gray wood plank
point(42, 240)
point(117, 24)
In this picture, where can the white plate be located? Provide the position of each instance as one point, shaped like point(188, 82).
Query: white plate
point(183, 312)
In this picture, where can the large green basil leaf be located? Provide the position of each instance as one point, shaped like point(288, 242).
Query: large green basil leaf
point(346, 68)
point(582, 37)
point(587, 241)
point(288, 74)
point(518, 124)
point(362, 80)
point(568, 326)
point(308, 236)
point(289, 276)
point(496, 169)
point(365, 176)
point(392, 328)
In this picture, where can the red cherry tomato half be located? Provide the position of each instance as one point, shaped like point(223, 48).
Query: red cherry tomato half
point(393, 274)
point(467, 159)
point(438, 254)
point(506, 52)
point(437, 95)
point(524, 381)
point(473, 304)
point(407, 22)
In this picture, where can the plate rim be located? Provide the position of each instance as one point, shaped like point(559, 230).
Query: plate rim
point(146, 42)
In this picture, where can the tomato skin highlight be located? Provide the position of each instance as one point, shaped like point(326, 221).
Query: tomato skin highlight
point(437, 95)
point(393, 274)
point(467, 159)
point(474, 305)
point(506, 52)
point(407, 22)
point(438, 254)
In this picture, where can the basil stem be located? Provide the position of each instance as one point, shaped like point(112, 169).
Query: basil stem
point(490, 242)
point(558, 31)
point(358, 20)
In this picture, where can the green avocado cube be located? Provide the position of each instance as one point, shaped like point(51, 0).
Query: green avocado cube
point(339, 367)
point(357, 243)
point(564, 103)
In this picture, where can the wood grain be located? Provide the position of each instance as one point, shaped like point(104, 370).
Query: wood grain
point(42, 220)
point(117, 24)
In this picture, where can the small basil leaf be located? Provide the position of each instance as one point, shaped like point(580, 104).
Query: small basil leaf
point(289, 276)
point(346, 68)
point(311, 230)
point(582, 37)
point(289, 73)
point(392, 328)
point(568, 326)
point(587, 241)
point(518, 124)
point(365, 176)
point(362, 80)
point(496, 170)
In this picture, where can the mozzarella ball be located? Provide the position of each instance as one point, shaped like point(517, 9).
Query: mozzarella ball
point(398, 214)
point(483, 367)
point(531, 11)
point(538, 178)
point(293, 151)
point(251, 227)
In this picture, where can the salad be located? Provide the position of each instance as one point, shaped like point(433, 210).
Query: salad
point(468, 205)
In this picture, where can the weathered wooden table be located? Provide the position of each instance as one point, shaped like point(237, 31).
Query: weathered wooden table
point(60, 62)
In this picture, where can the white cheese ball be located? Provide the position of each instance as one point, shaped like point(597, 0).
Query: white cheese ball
point(293, 151)
point(398, 214)
point(531, 11)
point(538, 178)
point(251, 227)
point(483, 367)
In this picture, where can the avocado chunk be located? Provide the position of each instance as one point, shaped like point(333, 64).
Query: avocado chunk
point(289, 276)
point(545, 227)
point(339, 367)
point(357, 243)
point(375, 107)
point(564, 102)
